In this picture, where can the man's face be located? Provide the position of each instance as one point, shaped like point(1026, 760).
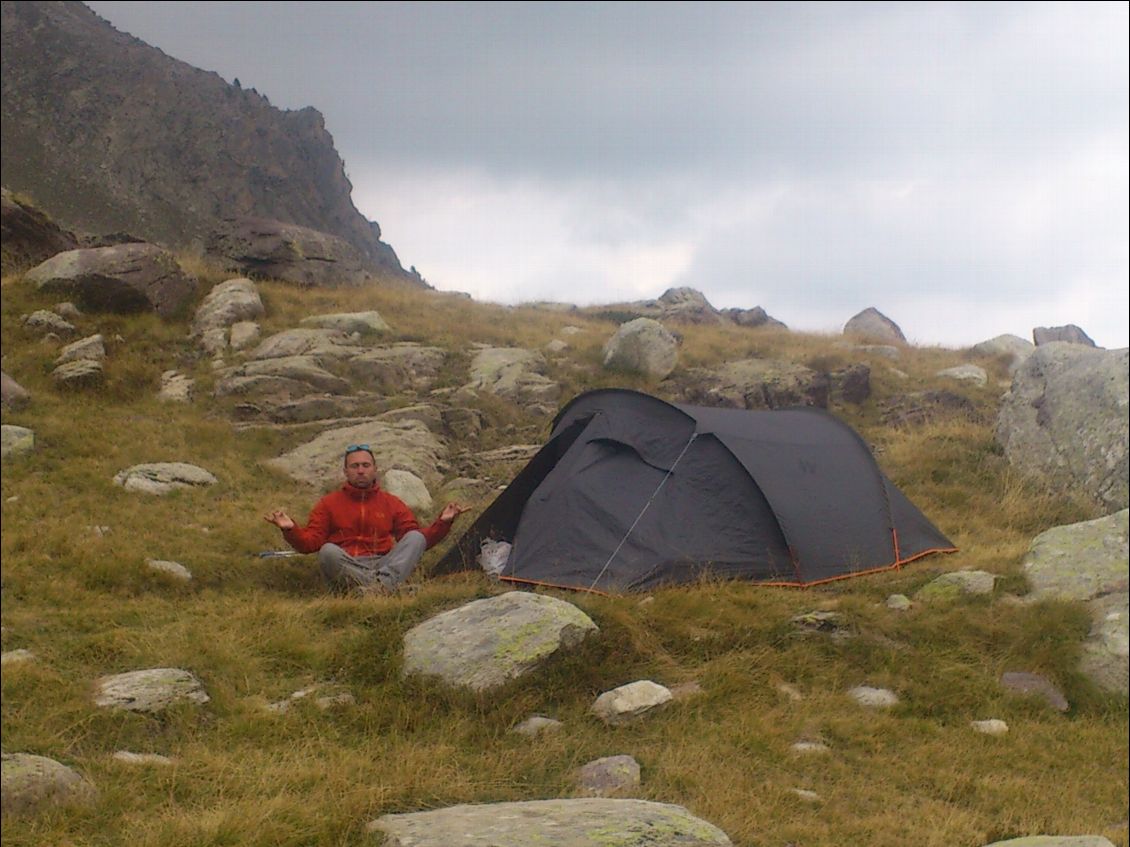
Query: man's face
point(360, 469)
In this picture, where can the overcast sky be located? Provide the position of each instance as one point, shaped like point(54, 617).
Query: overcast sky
point(964, 168)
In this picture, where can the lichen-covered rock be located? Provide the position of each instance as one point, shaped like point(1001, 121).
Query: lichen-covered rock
point(1065, 420)
point(150, 690)
point(584, 822)
point(229, 302)
point(81, 373)
point(1027, 683)
point(1015, 348)
point(1069, 334)
point(92, 347)
point(487, 643)
point(965, 373)
point(515, 374)
point(951, 586)
point(163, 477)
point(397, 367)
point(15, 440)
point(757, 384)
point(30, 781)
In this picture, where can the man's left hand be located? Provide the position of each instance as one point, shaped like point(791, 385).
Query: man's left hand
point(451, 511)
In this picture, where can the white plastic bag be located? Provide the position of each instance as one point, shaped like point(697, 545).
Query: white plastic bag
point(493, 555)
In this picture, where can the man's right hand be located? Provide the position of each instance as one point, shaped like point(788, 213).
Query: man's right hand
point(280, 519)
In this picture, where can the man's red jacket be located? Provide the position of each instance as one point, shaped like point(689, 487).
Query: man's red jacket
point(361, 521)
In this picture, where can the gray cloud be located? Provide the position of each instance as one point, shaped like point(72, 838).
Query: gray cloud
point(818, 158)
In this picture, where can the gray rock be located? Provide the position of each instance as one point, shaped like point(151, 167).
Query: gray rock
point(556, 346)
point(642, 346)
point(30, 781)
point(757, 384)
point(609, 775)
point(78, 374)
point(1023, 682)
point(873, 325)
point(243, 334)
point(349, 322)
point(30, 236)
point(325, 345)
point(1054, 841)
point(123, 278)
point(176, 387)
point(151, 690)
point(993, 726)
point(13, 395)
point(536, 725)
point(806, 795)
point(392, 369)
point(583, 822)
point(898, 602)
point(965, 373)
point(15, 440)
point(1081, 561)
point(131, 758)
point(163, 477)
point(409, 488)
point(629, 702)
point(951, 586)
point(873, 698)
point(810, 747)
point(1106, 650)
point(753, 318)
point(851, 384)
point(91, 347)
point(1069, 334)
point(43, 322)
point(487, 643)
point(173, 569)
point(1015, 348)
point(405, 445)
point(1065, 420)
point(267, 374)
point(228, 303)
point(514, 374)
point(16, 657)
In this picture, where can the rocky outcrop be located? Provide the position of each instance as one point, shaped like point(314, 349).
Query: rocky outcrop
point(270, 249)
point(1064, 421)
point(487, 643)
point(123, 279)
point(177, 148)
point(231, 302)
point(756, 384)
point(28, 236)
point(515, 374)
point(1011, 347)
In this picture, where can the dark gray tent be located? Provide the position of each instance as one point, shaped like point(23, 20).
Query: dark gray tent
point(631, 492)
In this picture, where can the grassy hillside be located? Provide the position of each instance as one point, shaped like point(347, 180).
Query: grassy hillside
point(255, 630)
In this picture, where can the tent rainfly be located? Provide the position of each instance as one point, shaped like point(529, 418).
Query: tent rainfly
point(631, 492)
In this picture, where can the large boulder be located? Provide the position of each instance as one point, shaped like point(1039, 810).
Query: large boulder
point(642, 346)
point(287, 376)
point(1089, 562)
point(272, 249)
point(28, 236)
point(757, 384)
point(873, 325)
point(1065, 420)
point(487, 643)
point(123, 278)
point(584, 822)
point(12, 394)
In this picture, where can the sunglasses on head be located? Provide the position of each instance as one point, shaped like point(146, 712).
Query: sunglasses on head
point(353, 448)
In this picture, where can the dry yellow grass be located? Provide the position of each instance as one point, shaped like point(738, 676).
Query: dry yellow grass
point(255, 630)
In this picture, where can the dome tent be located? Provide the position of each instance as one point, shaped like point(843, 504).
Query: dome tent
point(631, 492)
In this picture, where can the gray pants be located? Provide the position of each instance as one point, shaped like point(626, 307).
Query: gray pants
point(343, 571)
